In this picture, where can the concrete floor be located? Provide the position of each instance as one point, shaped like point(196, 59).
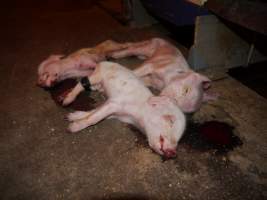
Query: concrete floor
point(39, 159)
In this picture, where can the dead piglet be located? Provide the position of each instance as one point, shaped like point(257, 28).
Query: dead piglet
point(166, 69)
point(81, 63)
point(131, 102)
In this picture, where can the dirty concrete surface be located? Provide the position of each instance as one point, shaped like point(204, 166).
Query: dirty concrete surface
point(39, 159)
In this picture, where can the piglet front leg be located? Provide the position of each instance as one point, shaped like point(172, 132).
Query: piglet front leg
point(71, 96)
point(85, 119)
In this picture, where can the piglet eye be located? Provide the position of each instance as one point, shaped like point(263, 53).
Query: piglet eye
point(180, 71)
point(161, 139)
point(186, 89)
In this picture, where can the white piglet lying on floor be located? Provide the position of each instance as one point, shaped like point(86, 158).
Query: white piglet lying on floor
point(166, 69)
point(130, 101)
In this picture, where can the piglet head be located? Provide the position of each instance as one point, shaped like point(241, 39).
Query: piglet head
point(162, 145)
point(188, 89)
point(165, 126)
point(48, 71)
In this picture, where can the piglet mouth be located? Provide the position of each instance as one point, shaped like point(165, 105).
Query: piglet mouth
point(167, 153)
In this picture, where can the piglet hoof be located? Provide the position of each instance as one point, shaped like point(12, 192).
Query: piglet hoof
point(69, 117)
point(78, 115)
point(65, 98)
point(67, 101)
point(73, 128)
point(66, 118)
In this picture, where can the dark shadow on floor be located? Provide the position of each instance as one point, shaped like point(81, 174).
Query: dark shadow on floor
point(253, 76)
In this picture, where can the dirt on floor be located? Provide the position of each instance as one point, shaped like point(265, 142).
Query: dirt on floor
point(39, 159)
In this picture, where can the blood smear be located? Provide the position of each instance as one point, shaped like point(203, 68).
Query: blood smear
point(211, 135)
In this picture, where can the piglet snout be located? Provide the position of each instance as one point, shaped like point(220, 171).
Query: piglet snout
point(46, 83)
point(169, 153)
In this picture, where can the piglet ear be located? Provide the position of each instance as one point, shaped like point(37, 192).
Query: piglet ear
point(55, 57)
point(50, 59)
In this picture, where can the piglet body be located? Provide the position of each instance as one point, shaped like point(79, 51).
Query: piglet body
point(166, 69)
point(81, 63)
point(130, 101)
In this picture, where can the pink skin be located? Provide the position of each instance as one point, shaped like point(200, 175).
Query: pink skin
point(169, 153)
point(54, 69)
point(81, 63)
point(166, 69)
point(130, 101)
point(188, 90)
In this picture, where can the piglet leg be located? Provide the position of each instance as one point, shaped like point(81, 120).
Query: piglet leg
point(78, 115)
point(92, 117)
point(71, 96)
point(143, 70)
point(142, 50)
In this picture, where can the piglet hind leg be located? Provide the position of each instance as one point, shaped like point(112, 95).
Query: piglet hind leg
point(82, 120)
point(140, 50)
